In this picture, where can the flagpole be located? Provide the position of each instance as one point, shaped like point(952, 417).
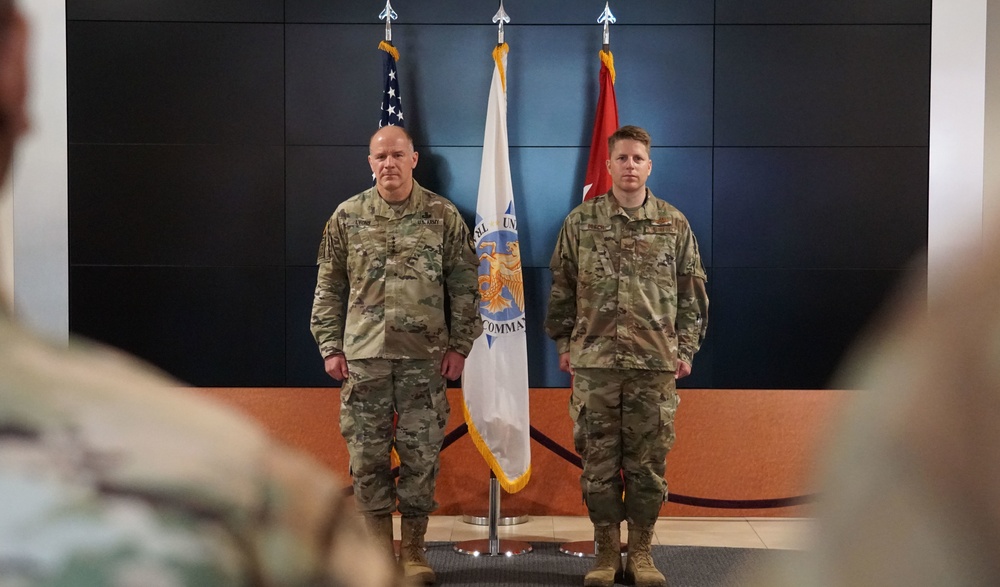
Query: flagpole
point(389, 15)
point(494, 181)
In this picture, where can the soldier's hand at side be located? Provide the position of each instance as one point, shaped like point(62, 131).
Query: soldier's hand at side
point(683, 370)
point(564, 363)
point(452, 365)
point(336, 366)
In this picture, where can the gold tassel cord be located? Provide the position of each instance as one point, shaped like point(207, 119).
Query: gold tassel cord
point(498, 54)
point(388, 48)
point(609, 61)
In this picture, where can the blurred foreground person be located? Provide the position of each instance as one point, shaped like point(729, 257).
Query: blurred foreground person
point(911, 490)
point(110, 475)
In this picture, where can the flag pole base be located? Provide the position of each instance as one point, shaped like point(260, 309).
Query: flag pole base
point(493, 546)
point(583, 548)
point(484, 548)
point(484, 519)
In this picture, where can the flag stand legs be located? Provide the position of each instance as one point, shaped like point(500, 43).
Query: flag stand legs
point(583, 548)
point(484, 518)
point(493, 546)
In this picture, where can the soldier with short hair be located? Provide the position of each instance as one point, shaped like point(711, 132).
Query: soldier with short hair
point(111, 475)
point(628, 311)
point(392, 256)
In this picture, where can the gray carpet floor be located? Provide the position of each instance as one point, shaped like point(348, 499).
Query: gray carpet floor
point(684, 566)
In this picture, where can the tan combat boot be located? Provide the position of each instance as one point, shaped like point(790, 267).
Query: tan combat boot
point(609, 557)
point(380, 529)
point(640, 567)
point(411, 551)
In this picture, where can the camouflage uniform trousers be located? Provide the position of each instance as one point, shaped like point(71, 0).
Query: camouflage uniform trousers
point(374, 392)
point(623, 429)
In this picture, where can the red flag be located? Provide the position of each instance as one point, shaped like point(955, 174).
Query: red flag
point(598, 180)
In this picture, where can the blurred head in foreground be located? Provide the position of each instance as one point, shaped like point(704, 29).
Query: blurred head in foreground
point(110, 474)
point(911, 490)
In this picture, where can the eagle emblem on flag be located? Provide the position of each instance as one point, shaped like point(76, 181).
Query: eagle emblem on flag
point(504, 273)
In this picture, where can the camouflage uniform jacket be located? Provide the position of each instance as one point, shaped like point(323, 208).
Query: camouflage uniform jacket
point(113, 475)
point(627, 293)
point(396, 268)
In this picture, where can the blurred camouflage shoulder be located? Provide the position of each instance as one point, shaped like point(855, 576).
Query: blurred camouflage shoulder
point(112, 474)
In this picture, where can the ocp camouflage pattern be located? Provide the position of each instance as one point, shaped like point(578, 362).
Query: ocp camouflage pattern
point(627, 292)
point(372, 393)
point(393, 271)
point(112, 475)
point(623, 420)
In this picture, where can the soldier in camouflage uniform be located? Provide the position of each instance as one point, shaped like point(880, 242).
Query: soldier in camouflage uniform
point(392, 255)
point(628, 311)
point(112, 475)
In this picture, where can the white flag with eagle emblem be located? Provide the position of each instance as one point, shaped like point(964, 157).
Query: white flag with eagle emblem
point(495, 381)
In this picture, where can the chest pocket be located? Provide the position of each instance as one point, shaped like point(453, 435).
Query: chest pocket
point(595, 258)
point(421, 248)
point(366, 250)
point(657, 246)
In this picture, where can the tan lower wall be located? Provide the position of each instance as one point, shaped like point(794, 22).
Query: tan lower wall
point(731, 444)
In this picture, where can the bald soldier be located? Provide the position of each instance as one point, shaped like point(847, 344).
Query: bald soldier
point(112, 475)
point(391, 260)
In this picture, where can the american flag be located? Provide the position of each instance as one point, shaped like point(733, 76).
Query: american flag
point(392, 108)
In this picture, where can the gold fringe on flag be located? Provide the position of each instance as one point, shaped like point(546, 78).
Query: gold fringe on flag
point(509, 485)
point(388, 48)
point(498, 54)
point(609, 61)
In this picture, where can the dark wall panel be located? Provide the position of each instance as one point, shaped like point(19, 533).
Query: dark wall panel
point(543, 360)
point(683, 177)
point(317, 180)
point(333, 84)
point(211, 141)
point(823, 11)
point(452, 172)
point(675, 103)
point(175, 83)
point(820, 208)
point(551, 88)
point(521, 12)
point(176, 205)
point(548, 183)
point(302, 359)
point(334, 74)
point(177, 10)
point(335, 77)
point(787, 328)
point(209, 326)
point(822, 86)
